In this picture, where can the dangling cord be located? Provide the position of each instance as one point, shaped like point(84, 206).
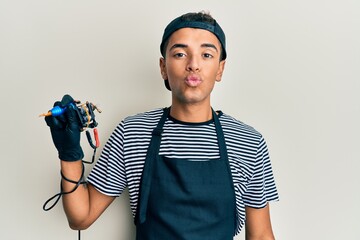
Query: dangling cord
point(61, 193)
point(77, 183)
point(58, 195)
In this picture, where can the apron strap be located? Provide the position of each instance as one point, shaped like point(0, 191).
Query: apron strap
point(152, 152)
point(220, 136)
point(222, 147)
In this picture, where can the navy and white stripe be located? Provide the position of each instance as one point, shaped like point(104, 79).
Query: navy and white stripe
point(121, 162)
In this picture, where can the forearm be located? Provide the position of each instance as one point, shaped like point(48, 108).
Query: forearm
point(76, 204)
point(83, 206)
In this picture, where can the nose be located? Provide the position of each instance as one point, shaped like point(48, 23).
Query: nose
point(193, 64)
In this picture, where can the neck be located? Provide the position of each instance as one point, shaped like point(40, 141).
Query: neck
point(191, 113)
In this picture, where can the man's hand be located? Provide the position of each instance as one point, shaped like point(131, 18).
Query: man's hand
point(65, 131)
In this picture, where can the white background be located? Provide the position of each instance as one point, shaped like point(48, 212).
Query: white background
point(292, 72)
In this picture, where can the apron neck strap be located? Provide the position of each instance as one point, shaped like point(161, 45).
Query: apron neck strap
point(219, 132)
point(220, 136)
point(159, 127)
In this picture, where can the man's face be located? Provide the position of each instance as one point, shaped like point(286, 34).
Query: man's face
point(192, 65)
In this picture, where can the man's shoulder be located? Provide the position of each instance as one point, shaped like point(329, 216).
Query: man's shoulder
point(148, 117)
point(232, 124)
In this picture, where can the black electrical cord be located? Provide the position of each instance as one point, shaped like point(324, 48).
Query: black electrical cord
point(77, 184)
point(61, 193)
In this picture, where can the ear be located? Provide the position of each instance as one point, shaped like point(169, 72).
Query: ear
point(163, 72)
point(220, 71)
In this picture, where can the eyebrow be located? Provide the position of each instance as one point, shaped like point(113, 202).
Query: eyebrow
point(178, 45)
point(204, 45)
point(209, 45)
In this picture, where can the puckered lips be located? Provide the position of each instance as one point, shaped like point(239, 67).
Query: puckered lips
point(193, 80)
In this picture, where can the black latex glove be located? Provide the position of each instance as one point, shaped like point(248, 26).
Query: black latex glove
point(65, 131)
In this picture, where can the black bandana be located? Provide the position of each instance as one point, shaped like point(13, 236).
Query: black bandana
point(179, 22)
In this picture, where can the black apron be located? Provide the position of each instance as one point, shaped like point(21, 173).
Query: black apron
point(184, 199)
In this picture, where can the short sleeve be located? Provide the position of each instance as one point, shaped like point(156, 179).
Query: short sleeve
point(261, 188)
point(108, 175)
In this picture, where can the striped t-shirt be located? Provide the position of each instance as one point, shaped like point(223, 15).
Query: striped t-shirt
point(121, 162)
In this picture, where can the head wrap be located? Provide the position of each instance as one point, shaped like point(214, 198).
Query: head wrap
point(180, 22)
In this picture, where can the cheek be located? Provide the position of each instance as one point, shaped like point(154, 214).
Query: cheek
point(174, 69)
point(213, 70)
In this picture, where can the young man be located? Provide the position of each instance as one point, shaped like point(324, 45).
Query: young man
point(192, 173)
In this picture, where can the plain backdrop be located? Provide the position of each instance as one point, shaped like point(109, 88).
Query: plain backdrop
point(292, 72)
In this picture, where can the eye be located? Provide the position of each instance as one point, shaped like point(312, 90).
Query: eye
point(207, 55)
point(179, 55)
